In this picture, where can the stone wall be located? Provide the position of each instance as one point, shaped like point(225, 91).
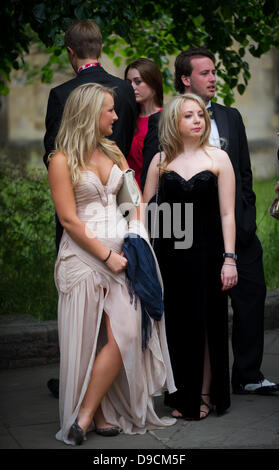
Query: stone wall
point(260, 112)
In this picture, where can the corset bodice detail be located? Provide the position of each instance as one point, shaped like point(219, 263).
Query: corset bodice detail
point(97, 207)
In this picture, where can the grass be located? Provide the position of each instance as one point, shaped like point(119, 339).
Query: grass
point(268, 231)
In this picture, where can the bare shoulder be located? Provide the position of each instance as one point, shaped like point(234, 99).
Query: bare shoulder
point(216, 152)
point(154, 164)
point(58, 167)
point(157, 159)
point(219, 156)
point(123, 163)
point(58, 160)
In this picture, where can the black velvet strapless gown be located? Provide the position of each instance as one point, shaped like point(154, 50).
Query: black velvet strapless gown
point(194, 302)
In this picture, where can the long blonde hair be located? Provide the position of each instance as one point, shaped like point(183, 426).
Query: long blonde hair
point(169, 134)
point(79, 133)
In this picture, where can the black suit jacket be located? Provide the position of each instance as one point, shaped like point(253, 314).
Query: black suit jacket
point(125, 107)
point(151, 145)
point(234, 141)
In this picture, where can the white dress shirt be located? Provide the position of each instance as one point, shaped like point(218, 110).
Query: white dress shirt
point(214, 138)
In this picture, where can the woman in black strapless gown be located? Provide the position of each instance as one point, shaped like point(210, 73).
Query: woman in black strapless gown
point(195, 278)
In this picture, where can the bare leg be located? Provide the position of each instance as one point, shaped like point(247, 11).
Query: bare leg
point(105, 370)
point(205, 385)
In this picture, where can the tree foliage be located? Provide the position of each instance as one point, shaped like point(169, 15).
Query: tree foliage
point(154, 29)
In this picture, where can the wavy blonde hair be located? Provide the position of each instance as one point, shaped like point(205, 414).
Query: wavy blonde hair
point(169, 134)
point(79, 133)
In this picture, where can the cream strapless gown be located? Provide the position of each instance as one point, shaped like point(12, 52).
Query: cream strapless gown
point(87, 288)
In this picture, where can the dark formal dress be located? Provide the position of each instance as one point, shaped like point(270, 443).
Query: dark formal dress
point(248, 296)
point(194, 302)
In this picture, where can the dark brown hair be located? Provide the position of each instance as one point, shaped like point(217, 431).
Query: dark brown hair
point(150, 74)
point(85, 38)
point(183, 65)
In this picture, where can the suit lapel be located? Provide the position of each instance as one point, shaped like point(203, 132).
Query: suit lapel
point(222, 123)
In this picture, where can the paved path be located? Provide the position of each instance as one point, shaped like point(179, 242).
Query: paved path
point(29, 419)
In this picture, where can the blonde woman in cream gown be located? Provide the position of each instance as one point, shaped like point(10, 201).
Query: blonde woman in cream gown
point(107, 381)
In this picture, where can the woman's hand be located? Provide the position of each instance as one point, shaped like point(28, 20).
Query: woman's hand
point(116, 263)
point(228, 275)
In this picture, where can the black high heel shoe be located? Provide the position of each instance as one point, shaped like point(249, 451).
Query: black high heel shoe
point(209, 407)
point(76, 433)
point(107, 432)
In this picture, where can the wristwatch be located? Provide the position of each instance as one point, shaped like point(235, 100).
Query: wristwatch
point(230, 255)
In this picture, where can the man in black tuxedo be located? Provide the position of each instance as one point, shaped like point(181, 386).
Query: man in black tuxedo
point(195, 73)
point(83, 41)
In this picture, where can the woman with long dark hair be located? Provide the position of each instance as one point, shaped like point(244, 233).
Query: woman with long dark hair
point(146, 79)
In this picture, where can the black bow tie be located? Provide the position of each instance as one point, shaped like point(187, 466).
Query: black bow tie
point(210, 112)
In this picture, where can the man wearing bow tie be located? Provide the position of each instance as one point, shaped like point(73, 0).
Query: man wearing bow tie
point(195, 73)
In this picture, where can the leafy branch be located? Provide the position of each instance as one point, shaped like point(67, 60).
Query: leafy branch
point(155, 29)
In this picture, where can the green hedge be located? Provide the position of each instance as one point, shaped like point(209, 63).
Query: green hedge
point(27, 243)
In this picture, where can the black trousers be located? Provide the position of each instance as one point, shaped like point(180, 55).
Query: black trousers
point(248, 301)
